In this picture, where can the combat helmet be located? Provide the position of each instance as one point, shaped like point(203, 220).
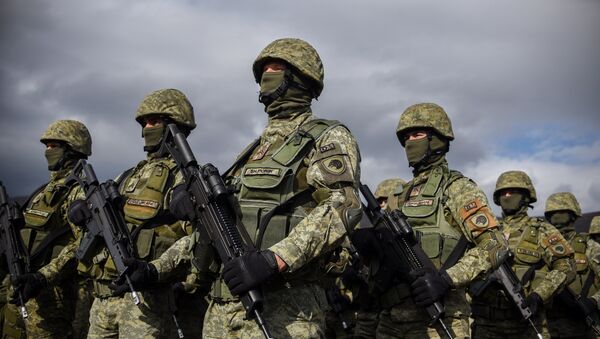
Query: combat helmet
point(595, 225)
point(563, 201)
point(71, 132)
point(387, 187)
point(514, 180)
point(299, 54)
point(169, 102)
point(425, 115)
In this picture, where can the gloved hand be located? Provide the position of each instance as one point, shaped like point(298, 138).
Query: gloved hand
point(29, 284)
point(142, 274)
point(249, 271)
point(534, 302)
point(429, 286)
point(588, 306)
point(181, 205)
point(79, 213)
point(366, 243)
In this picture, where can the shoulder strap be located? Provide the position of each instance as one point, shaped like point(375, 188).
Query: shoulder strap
point(588, 284)
point(457, 252)
point(32, 195)
point(120, 179)
point(242, 157)
point(49, 239)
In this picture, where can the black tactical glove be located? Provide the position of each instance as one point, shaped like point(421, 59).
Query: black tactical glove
point(534, 302)
point(588, 306)
point(79, 213)
point(141, 274)
point(181, 205)
point(249, 271)
point(366, 243)
point(29, 284)
point(429, 286)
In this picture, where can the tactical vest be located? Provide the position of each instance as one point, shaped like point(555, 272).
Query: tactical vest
point(46, 230)
point(153, 230)
point(578, 242)
point(528, 250)
point(423, 206)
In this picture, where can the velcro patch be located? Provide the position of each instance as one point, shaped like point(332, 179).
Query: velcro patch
point(470, 208)
point(417, 203)
point(580, 261)
point(521, 250)
point(261, 151)
point(38, 213)
point(261, 171)
point(416, 190)
point(334, 165)
point(143, 203)
point(327, 148)
point(480, 220)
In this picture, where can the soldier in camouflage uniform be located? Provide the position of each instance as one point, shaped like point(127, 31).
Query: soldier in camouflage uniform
point(386, 188)
point(146, 189)
point(566, 319)
point(46, 232)
point(543, 260)
point(305, 171)
point(443, 206)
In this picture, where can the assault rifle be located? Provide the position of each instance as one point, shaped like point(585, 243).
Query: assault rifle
point(511, 284)
point(397, 236)
point(11, 243)
point(214, 213)
point(101, 217)
point(591, 319)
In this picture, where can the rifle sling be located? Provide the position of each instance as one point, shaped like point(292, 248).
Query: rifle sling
point(530, 273)
point(457, 252)
point(588, 284)
point(297, 199)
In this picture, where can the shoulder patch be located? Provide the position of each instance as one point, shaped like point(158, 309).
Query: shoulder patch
point(470, 208)
point(327, 148)
point(261, 151)
point(335, 164)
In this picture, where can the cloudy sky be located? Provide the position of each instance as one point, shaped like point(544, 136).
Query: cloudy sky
point(520, 79)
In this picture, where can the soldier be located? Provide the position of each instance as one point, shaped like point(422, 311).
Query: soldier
point(543, 260)
point(146, 189)
point(302, 172)
point(386, 188)
point(46, 232)
point(566, 319)
point(443, 206)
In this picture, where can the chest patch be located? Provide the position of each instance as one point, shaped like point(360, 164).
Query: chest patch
point(143, 203)
point(261, 151)
point(415, 191)
point(261, 171)
point(417, 203)
point(38, 212)
point(521, 250)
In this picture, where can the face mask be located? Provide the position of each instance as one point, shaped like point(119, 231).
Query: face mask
point(416, 150)
point(511, 204)
point(54, 156)
point(560, 219)
point(152, 137)
point(270, 85)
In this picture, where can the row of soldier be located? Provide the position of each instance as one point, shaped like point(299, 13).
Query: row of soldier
point(296, 194)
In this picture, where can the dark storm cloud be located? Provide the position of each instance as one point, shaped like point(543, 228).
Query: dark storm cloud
point(491, 65)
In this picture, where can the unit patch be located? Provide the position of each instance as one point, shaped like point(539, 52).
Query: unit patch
point(143, 203)
point(38, 212)
point(417, 203)
point(480, 220)
point(261, 151)
point(415, 191)
point(334, 165)
point(521, 250)
point(327, 148)
point(261, 171)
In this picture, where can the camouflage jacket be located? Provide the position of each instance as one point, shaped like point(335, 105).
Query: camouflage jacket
point(593, 254)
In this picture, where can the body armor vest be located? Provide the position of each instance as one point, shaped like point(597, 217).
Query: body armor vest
point(45, 217)
point(578, 242)
point(153, 230)
point(423, 206)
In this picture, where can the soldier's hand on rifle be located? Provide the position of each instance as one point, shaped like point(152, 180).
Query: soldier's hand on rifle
point(79, 213)
point(429, 286)
point(534, 302)
point(249, 271)
point(29, 284)
point(141, 274)
point(181, 205)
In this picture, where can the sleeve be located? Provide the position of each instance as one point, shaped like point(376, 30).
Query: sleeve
point(175, 259)
point(593, 254)
point(468, 208)
point(334, 173)
point(55, 268)
point(559, 257)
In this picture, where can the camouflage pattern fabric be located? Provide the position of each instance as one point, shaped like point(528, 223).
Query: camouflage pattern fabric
point(425, 116)
point(563, 201)
point(298, 53)
point(171, 103)
point(297, 312)
point(81, 322)
point(387, 187)
point(72, 132)
point(593, 253)
point(595, 225)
